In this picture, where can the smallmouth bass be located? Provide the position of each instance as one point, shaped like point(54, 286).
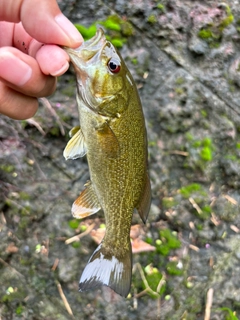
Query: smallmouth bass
point(112, 134)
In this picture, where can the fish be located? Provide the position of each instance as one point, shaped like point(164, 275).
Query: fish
point(112, 134)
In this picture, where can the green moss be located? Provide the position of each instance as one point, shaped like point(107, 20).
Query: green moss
point(152, 19)
point(189, 136)
point(230, 315)
point(231, 157)
point(179, 81)
point(204, 113)
point(212, 34)
point(205, 34)
point(134, 61)
point(207, 209)
point(206, 154)
point(83, 228)
point(196, 144)
point(19, 310)
point(55, 132)
point(24, 195)
point(117, 30)
point(118, 43)
point(200, 151)
point(87, 33)
point(76, 245)
point(226, 22)
point(214, 45)
point(161, 7)
point(168, 202)
point(127, 28)
point(172, 268)
point(73, 224)
point(153, 277)
point(179, 91)
point(166, 242)
point(7, 168)
point(190, 189)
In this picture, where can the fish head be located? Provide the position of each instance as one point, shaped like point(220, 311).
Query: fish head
point(102, 75)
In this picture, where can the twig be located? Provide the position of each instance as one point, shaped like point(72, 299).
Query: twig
point(47, 104)
point(195, 205)
point(208, 304)
point(180, 153)
point(234, 228)
point(79, 236)
point(11, 268)
point(64, 299)
point(230, 199)
point(56, 262)
point(37, 125)
point(148, 289)
point(195, 248)
point(3, 219)
point(161, 283)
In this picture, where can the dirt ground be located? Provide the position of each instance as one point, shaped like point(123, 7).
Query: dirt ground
point(184, 57)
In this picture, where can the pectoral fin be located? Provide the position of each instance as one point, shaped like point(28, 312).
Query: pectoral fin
point(86, 204)
point(76, 146)
point(144, 204)
point(108, 140)
point(73, 131)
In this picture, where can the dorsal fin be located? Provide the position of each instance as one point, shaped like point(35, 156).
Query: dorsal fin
point(144, 204)
point(76, 146)
point(87, 203)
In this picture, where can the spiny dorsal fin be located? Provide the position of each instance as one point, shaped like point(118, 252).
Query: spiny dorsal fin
point(76, 146)
point(108, 141)
point(87, 203)
point(114, 271)
point(144, 204)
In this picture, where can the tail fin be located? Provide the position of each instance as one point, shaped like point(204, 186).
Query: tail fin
point(106, 269)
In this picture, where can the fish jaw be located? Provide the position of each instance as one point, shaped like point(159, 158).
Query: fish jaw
point(88, 48)
point(114, 271)
point(97, 84)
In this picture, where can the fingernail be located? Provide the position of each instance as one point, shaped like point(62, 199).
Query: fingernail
point(14, 70)
point(68, 28)
point(61, 71)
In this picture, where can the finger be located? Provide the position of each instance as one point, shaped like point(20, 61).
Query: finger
point(16, 105)
point(52, 60)
point(6, 33)
point(22, 73)
point(43, 20)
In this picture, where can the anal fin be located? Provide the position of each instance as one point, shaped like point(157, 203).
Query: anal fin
point(87, 203)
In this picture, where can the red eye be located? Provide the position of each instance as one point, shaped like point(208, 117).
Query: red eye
point(114, 66)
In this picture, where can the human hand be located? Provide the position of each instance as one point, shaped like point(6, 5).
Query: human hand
point(30, 59)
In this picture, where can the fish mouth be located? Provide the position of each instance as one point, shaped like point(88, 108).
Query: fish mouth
point(88, 49)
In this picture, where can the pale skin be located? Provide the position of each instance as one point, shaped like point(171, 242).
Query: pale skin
point(30, 56)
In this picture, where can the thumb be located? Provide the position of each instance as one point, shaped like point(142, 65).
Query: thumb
point(43, 20)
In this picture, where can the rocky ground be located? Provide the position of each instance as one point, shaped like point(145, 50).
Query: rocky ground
point(184, 56)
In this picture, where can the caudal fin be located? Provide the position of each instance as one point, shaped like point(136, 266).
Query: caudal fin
point(106, 269)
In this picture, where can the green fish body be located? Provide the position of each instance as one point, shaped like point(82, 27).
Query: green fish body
point(112, 134)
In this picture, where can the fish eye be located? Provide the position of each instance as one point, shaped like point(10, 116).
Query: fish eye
point(114, 66)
